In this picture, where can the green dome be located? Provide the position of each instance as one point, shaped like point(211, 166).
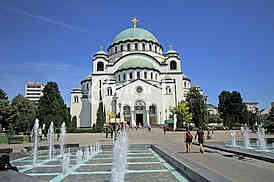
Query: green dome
point(134, 33)
point(136, 63)
point(77, 89)
point(100, 52)
point(171, 51)
point(89, 76)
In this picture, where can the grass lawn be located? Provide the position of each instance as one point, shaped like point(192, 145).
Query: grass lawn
point(3, 139)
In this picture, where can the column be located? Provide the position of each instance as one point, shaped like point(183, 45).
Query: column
point(147, 116)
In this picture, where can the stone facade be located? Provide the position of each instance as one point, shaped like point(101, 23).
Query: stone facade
point(134, 78)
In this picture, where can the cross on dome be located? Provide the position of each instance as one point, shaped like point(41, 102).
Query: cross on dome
point(134, 21)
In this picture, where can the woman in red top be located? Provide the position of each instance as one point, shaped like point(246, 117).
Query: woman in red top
point(188, 140)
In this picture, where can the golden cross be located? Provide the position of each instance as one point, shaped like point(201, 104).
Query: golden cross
point(101, 47)
point(134, 21)
point(170, 46)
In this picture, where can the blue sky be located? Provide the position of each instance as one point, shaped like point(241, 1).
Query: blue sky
point(224, 44)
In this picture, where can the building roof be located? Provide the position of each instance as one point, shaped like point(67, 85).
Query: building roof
point(136, 63)
point(101, 52)
point(171, 51)
point(77, 89)
point(134, 34)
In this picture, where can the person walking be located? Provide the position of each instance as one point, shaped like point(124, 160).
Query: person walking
point(188, 140)
point(201, 139)
point(164, 128)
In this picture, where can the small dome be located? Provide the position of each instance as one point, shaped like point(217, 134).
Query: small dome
point(133, 34)
point(136, 63)
point(185, 77)
point(101, 52)
point(89, 76)
point(171, 51)
point(77, 89)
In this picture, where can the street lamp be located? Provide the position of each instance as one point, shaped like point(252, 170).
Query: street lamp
point(115, 97)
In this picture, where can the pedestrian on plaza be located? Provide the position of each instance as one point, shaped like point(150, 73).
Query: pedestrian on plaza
point(201, 139)
point(149, 128)
point(188, 140)
point(164, 128)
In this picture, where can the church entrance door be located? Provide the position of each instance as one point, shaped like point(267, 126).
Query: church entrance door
point(139, 120)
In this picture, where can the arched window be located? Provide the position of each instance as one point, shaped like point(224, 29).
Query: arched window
point(76, 99)
point(152, 109)
point(156, 76)
point(100, 66)
point(168, 90)
point(138, 75)
point(130, 75)
point(136, 47)
point(87, 86)
point(119, 78)
point(144, 47)
point(126, 110)
point(173, 65)
point(116, 50)
point(145, 75)
point(155, 48)
point(109, 90)
point(185, 84)
point(122, 48)
point(128, 47)
point(151, 75)
point(150, 47)
point(124, 76)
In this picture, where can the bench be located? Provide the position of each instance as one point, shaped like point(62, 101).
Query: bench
point(15, 140)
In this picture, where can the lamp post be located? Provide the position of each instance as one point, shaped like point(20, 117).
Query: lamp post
point(115, 97)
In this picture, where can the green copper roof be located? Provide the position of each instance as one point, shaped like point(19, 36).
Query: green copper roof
point(185, 77)
point(136, 63)
point(100, 52)
point(171, 51)
point(89, 76)
point(77, 89)
point(134, 33)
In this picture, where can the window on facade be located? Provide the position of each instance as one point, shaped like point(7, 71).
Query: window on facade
point(126, 110)
point(109, 91)
point(156, 76)
point(155, 48)
point(116, 50)
point(173, 65)
point(128, 47)
point(87, 86)
point(145, 75)
point(144, 47)
point(150, 47)
point(130, 75)
point(138, 75)
point(136, 47)
point(151, 76)
point(152, 109)
point(119, 78)
point(168, 90)
point(100, 66)
point(76, 99)
point(122, 48)
point(124, 76)
point(185, 84)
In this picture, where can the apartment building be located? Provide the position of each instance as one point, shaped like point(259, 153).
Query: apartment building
point(33, 90)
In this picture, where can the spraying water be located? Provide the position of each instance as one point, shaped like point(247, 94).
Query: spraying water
point(233, 138)
point(120, 151)
point(50, 140)
point(62, 138)
point(35, 142)
point(66, 159)
point(246, 137)
point(260, 138)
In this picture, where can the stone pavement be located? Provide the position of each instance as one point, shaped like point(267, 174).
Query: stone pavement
point(247, 170)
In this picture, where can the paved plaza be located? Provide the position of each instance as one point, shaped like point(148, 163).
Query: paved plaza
point(217, 162)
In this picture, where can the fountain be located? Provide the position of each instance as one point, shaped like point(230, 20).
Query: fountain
point(62, 138)
point(246, 136)
point(66, 159)
point(233, 138)
point(120, 151)
point(50, 140)
point(261, 138)
point(35, 142)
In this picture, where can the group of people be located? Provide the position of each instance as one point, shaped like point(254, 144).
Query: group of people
point(189, 137)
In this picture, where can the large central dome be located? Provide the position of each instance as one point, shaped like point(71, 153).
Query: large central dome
point(135, 34)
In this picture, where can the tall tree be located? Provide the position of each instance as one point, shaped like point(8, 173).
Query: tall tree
point(51, 106)
point(25, 113)
point(232, 109)
point(197, 104)
point(3, 94)
point(100, 119)
point(183, 114)
point(7, 114)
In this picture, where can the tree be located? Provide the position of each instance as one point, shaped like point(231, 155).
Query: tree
point(101, 118)
point(51, 107)
point(214, 118)
point(25, 113)
point(73, 124)
point(196, 103)
point(183, 114)
point(3, 94)
point(232, 109)
point(7, 114)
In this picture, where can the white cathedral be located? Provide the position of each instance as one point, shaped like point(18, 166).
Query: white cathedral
point(134, 78)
